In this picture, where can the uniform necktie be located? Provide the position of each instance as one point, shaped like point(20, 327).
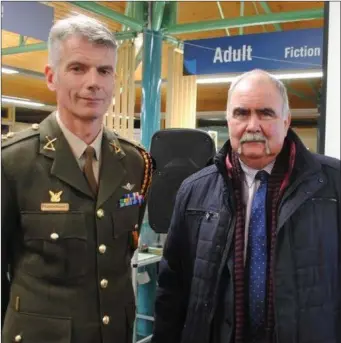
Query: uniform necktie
point(258, 255)
point(88, 169)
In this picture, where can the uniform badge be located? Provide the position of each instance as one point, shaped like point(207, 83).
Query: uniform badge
point(131, 199)
point(55, 204)
point(49, 145)
point(128, 186)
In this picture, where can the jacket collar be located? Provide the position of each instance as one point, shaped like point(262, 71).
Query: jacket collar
point(305, 162)
point(65, 167)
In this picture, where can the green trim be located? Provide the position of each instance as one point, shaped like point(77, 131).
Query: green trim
point(125, 35)
point(134, 24)
point(170, 14)
point(138, 58)
point(272, 18)
point(24, 48)
point(157, 14)
point(241, 14)
point(222, 16)
point(267, 10)
point(254, 3)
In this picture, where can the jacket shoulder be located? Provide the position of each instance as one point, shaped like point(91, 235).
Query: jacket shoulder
point(19, 138)
point(137, 151)
point(131, 143)
point(204, 173)
point(331, 162)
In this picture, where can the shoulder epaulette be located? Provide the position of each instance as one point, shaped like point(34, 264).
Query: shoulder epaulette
point(15, 137)
point(134, 143)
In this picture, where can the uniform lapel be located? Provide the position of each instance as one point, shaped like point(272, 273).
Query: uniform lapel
point(65, 167)
point(112, 169)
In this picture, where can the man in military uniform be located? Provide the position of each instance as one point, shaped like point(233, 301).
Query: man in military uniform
point(73, 199)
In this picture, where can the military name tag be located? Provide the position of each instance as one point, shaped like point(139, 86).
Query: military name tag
point(54, 207)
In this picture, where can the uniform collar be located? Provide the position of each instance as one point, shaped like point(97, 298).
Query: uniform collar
point(77, 145)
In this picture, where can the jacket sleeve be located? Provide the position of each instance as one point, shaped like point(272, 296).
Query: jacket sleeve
point(172, 290)
point(9, 224)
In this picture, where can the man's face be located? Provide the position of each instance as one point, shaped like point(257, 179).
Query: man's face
point(83, 79)
point(257, 124)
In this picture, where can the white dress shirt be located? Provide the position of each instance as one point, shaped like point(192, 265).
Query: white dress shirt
point(250, 186)
point(78, 147)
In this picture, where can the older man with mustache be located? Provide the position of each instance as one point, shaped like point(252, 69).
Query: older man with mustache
point(253, 250)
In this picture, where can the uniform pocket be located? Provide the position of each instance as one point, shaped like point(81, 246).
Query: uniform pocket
point(34, 328)
point(55, 244)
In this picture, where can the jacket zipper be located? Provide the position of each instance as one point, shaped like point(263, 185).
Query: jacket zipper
point(223, 262)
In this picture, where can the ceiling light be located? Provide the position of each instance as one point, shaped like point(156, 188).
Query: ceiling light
point(8, 71)
point(22, 102)
point(291, 76)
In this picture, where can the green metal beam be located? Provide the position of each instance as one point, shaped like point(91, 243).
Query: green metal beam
point(222, 16)
point(91, 6)
point(125, 35)
point(21, 40)
point(138, 58)
point(267, 10)
point(242, 8)
point(127, 12)
point(273, 18)
point(171, 40)
point(24, 48)
point(157, 14)
point(170, 14)
point(296, 92)
point(254, 3)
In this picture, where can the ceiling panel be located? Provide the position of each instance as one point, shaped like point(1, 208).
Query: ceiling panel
point(209, 97)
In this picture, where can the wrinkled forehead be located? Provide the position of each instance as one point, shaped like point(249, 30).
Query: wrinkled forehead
point(78, 47)
point(256, 93)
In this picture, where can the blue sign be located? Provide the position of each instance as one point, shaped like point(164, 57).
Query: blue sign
point(275, 51)
point(30, 18)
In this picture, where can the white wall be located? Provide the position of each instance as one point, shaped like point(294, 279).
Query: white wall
point(332, 137)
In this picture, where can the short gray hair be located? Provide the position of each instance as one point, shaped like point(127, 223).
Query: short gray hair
point(278, 83)
point(79, 25)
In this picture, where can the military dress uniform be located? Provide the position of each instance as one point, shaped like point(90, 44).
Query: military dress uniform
point(66, 250)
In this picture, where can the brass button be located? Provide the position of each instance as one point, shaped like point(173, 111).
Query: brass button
point(54, 236)
point(106, 320)
point(35, 126)
point(17, 338)
point(104, 283)
point(102, 248)
point(100, 213)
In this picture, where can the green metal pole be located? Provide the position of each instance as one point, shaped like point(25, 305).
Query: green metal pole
point(24, 48)
point(104, 11)
point(125, 35)
point(222, 16)
point(242, 8)
point(127, 12)
point(170, 14)
point(267, 10)
point(254, 3)
point(273, 18)
point(157, 14)
point(138, 58)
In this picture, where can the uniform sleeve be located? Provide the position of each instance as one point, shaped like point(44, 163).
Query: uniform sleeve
point(9, 223)
point(172, 291)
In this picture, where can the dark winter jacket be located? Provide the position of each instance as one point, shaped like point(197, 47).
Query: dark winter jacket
point(198, 257)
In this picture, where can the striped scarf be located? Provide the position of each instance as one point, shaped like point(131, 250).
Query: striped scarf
point(278, 181)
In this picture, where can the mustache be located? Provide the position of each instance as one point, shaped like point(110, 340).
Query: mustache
point(253, 137)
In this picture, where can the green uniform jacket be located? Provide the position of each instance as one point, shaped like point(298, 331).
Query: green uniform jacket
point(68, 254)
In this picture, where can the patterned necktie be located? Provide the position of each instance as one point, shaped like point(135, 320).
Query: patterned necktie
point(258, 255)
point(88, 169)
